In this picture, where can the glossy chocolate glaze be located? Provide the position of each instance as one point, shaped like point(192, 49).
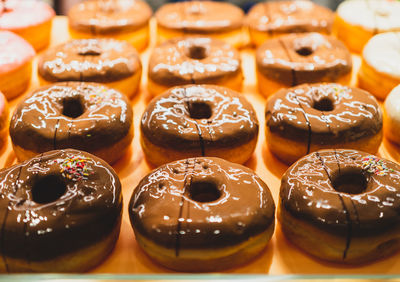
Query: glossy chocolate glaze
point(356, 114)
point(109, 16)
point(92, 60)
point(308, 194)
point(162, 210)
point(200, 17)
point(280, 17)
point(303, 58)
point(172, 63)
point(38, 123)
point(86, 213)
point(168, 122)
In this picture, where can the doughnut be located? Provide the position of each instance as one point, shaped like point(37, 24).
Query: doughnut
point(120, 19)
point(220, 20)
point(307, 118)
point(391, 116)
point(380, 69)
point(29, 19)
point(84, 116)
point(270, 19)
point(60, 212)
point(4, 112)
point(198, 120)
point(16, 57)
point(194, 60)
point(202, 214)
point(371, 17)
point(342, 206)
point(293, 59)
point(112, 62)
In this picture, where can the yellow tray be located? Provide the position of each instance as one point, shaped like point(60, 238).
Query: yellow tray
point(279, 258)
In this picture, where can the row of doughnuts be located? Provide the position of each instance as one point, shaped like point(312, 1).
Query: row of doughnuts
point(281, 62)
point(264, 20)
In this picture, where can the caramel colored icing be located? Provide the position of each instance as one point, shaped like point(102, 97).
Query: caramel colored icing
point(200, 16)
point(92, 60)
point(84, 116)
point(55, 204)
point(323, 114)
point(201, 203)
point(194, 60)
point(303, 58)
point(280, 17)
point(199, 117)
point(366, 205)
point(109, 16)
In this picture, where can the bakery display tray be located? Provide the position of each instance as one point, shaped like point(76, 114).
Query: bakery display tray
point(280, 261)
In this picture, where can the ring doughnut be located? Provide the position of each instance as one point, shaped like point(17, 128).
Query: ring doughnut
point(342, 206)
point(60, 212)
point(274, 18)
point(202, 214)
point(294, 59)
point(111, 62)
point(310, 117)
point(194, 60)
point(203, 120)
point(84, 116)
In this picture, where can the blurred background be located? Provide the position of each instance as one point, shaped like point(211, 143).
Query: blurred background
point(62, 6)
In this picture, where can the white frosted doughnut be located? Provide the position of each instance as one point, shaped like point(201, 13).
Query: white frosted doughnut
point(392, 115)
point(380, 69)
point(375, 15)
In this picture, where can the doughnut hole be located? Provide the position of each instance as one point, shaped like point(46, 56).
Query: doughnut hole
point(199, 110)
point(197, 52)
point(324, 105)
point(48, 188)
point(90, 50)
point(204, 191)
point(304, 51)
point(350, 181)
point(72, 107)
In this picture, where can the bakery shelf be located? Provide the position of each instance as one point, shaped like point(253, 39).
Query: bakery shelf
point(280, 259)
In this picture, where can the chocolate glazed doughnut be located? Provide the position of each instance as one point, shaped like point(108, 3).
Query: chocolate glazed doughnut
point(84, 116)
point(299, 58)
point(112, 62)
point(269, 19)
point(199, 120)
point(220, 20)
point(311, 117)
point(202, 214)
point(60, 212)
point(342, 206)
point(121, 19)
point(194, 60)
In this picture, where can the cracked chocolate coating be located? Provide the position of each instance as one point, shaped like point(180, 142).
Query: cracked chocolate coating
point(290, 113)
point(91, 60)
point(38, 123)
point(171, 64)
point(167, 120)
point(308, 194)
point(280, 17)
point(324, 59)
point(162, 210)
point(86, 213)
point(109, 16)
point(202, 17)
